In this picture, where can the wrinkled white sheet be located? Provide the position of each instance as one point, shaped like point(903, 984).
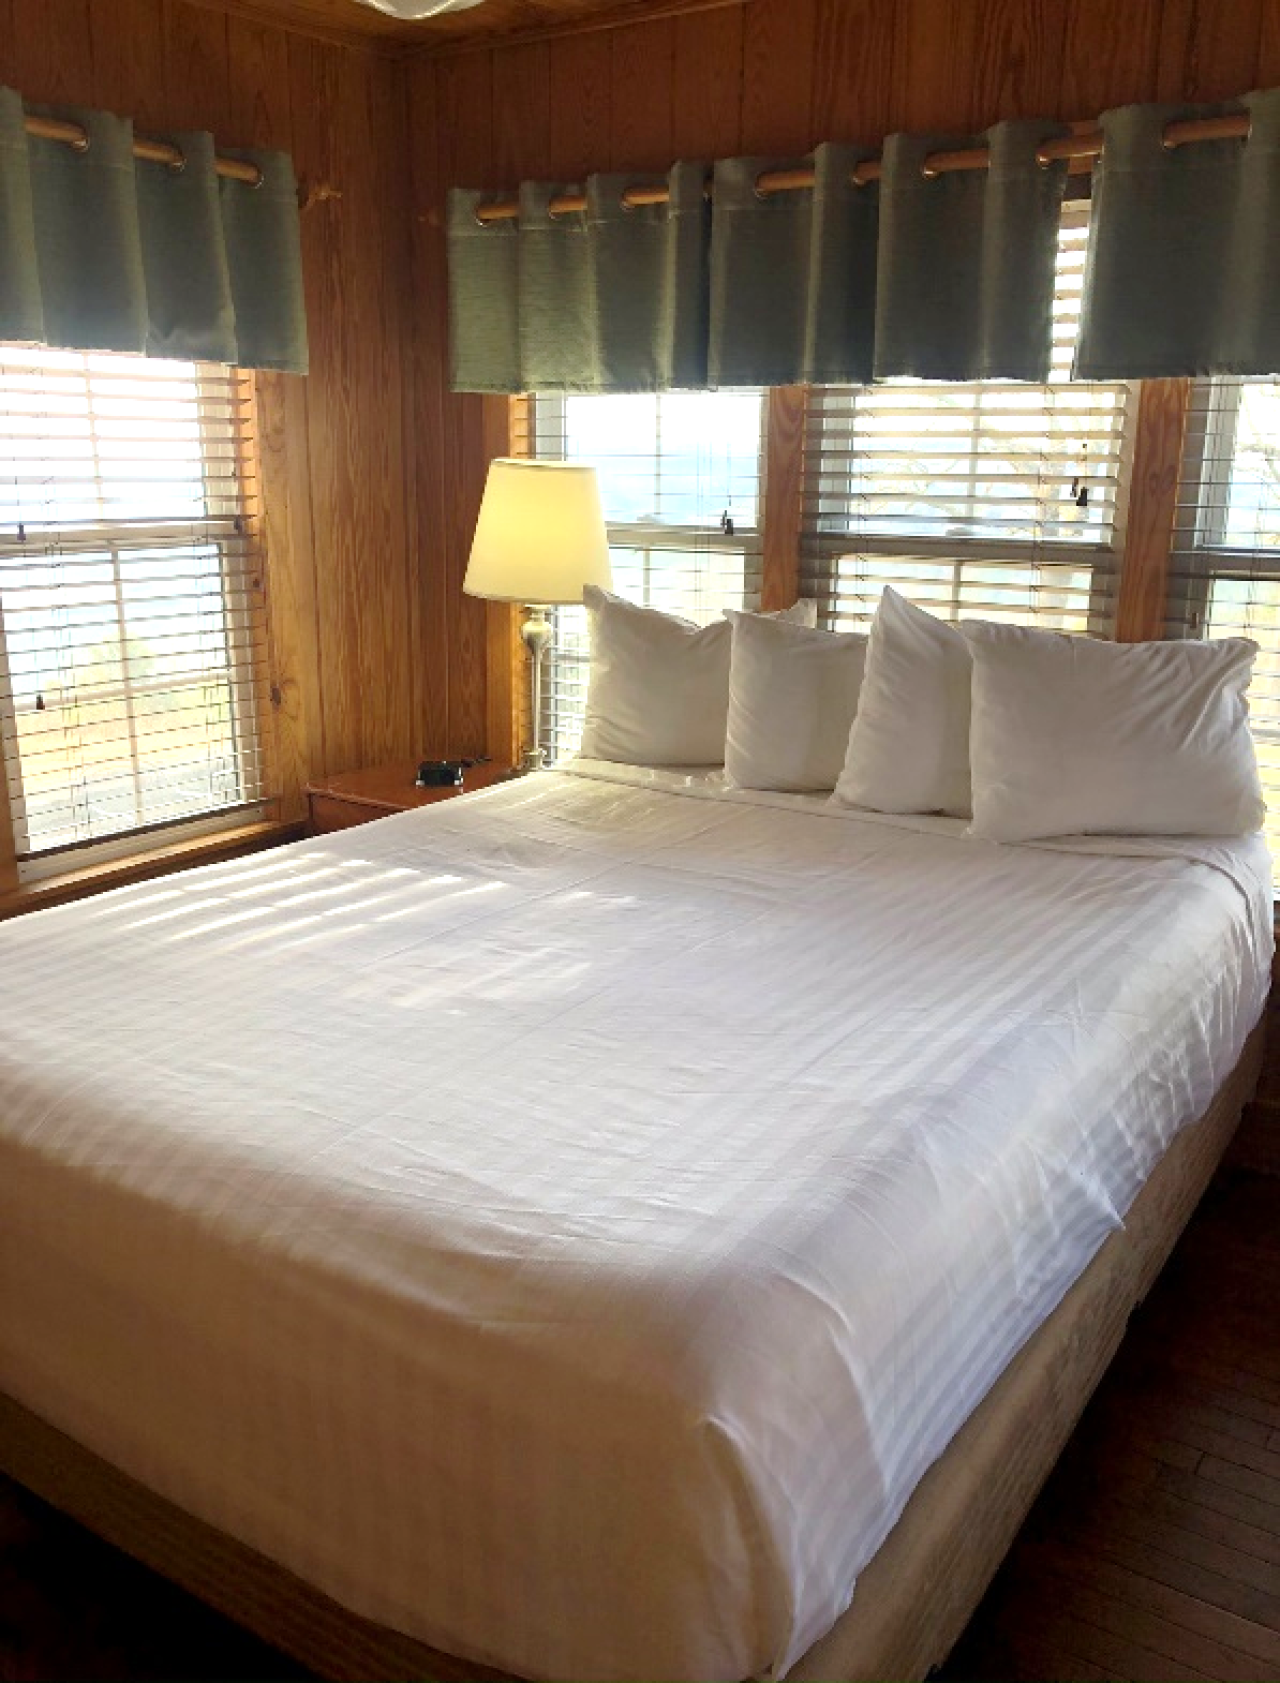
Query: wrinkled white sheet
point(564, 1224)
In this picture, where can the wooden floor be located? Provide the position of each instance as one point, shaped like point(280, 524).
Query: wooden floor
point(1154, 1551)
point(1153, 1554)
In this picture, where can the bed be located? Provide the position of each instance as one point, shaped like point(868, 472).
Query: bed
point(611, 1226)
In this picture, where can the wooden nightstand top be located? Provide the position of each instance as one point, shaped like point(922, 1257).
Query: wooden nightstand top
point(355, 797)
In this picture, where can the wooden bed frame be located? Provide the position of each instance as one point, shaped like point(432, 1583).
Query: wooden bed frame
point(912, 1601)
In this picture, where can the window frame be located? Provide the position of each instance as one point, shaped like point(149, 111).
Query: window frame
point(228, 525)
point(1208, 456)
point(821, 551)
point(1199, 557)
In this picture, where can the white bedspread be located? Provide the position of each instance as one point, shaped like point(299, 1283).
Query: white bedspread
point(565, 1224)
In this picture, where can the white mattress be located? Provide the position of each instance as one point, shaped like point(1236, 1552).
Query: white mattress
point(565, 1224)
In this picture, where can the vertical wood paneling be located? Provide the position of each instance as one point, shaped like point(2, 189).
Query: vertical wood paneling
point(259, 112)
point(346, 123)
point(52, 59)
point(128, 62)
point(777, 76)
point(1207, 50)
point(935, 55)
point(197, 79)
point(355, 554)
point(521, 109)
point(429, 342)
point(397, 264)
point(853, 71)
point(581, 100)
point(391, 621)
point(1109, 55)
point(374, 365)
point(1018, 64)
point(707, 119)
point(642, 98)
point(464, 90)
point(333, 408)
point(1268, 71)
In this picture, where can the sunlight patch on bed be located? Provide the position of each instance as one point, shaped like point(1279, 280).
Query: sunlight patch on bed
point(462, 893)
point(245, 916)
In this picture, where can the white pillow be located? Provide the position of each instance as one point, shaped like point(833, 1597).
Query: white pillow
point(793, 692)
point(1075, 736)
point(658, 690)
point(803, 612)
point(909, 745)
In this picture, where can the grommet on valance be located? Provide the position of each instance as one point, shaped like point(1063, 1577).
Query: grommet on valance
point(147, 246)
point(1184, 248)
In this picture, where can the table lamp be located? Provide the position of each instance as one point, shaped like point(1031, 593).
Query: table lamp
point(539, 540)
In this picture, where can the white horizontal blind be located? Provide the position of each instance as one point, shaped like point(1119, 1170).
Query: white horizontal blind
point(681, 483)
point(1224, 578)
point(992, 499)
point(131, 610)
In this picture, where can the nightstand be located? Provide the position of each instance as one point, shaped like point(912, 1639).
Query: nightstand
point(356, 797)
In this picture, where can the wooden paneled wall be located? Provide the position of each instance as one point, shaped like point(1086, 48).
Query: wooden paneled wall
point(339, 516)
point(372, 469)
point(766, 76)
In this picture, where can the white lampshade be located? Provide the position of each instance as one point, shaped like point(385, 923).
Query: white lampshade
point(540, 536)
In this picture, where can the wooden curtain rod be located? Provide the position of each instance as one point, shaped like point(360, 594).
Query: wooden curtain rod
point(154, 151)
point(1086, 144)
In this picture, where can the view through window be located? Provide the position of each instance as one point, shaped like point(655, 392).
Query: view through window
point(130, 615)
point(682, 485)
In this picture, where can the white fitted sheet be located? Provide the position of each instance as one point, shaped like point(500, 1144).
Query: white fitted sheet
point(564, 1224)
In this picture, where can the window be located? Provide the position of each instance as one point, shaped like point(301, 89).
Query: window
point(1225, 568)
point(130, 615)
point(993, 499)
point(681, 483)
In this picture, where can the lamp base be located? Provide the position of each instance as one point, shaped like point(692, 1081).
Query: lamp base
point(537, 632)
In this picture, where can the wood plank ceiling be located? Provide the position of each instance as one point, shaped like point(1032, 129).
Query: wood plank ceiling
point(353, 21)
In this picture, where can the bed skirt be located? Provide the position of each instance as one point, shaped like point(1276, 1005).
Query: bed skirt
point(912, 1601)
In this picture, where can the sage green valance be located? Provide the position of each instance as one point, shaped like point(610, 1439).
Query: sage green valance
point(605, 299)
point(100, 250)
point(1183, 270)
point(965, 272)
point(946, 278)
point(484, 299)
point(793, 275)
point(933, 275)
